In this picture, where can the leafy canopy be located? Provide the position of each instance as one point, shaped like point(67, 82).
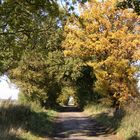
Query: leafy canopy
point(108, 39)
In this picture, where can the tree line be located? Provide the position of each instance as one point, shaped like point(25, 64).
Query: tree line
point(51, 52)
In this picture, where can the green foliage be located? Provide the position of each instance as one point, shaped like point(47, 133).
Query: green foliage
point(45, 75)
point(134, 4)
point(22, 26)
point(73, 68)
point(40, 76)
point(23, 98)
point(40, 60)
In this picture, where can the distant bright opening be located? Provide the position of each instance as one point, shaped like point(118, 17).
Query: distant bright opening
point(71, 101)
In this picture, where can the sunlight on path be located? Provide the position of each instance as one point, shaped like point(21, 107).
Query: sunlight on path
point(78, 126)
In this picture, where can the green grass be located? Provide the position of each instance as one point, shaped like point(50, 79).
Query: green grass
point(125, 123)
point(130, 126)
point(25, 122)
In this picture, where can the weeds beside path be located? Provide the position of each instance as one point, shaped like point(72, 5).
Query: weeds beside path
point(124, 122)
point(23, 122)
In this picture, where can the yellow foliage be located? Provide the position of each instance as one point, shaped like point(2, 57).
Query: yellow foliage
point(109, 34)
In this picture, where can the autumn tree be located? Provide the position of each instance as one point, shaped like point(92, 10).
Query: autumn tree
point(107, 38)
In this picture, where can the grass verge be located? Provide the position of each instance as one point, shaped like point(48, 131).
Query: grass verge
point(130, 126)
point(25, 122)
point(125, 123)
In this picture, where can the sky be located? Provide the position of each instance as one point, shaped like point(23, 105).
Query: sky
point(7, 89)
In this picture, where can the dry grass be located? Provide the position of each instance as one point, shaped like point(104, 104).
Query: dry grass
point(130, 126)
point(22, 122)
point(125, 123)
point(95, 109)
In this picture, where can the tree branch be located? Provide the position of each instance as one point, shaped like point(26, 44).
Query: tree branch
point(25, 31)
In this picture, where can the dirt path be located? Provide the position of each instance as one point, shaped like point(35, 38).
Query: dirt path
point(75, 125)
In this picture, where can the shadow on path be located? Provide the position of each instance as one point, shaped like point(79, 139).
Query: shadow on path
point(73, 123)
point(63, 109)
